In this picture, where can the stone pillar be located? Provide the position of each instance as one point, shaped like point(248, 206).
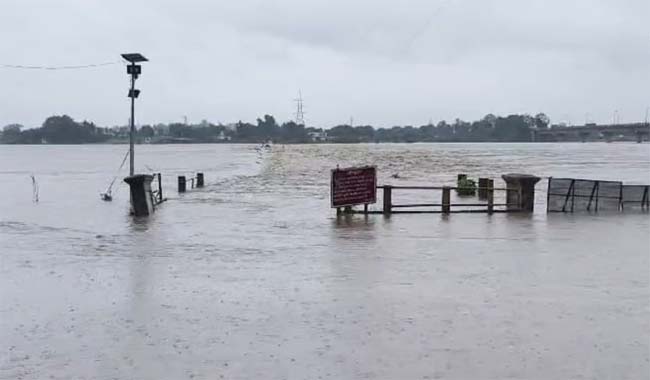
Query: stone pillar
point(521, 191)
point(142, 203)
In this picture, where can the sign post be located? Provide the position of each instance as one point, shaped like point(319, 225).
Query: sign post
point(353, 186)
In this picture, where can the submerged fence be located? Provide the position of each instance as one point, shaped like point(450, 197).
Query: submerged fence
point(358, 186)
point(570, 195)
point(446, 206)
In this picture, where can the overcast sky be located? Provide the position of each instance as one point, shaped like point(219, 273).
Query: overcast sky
point(381, 62)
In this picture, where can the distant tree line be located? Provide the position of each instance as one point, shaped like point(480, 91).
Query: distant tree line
point(65, 130)
point(55, 130)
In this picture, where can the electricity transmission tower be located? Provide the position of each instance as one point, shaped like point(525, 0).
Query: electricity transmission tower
point(300, 114)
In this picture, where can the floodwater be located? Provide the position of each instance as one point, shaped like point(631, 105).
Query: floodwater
point(253, 277)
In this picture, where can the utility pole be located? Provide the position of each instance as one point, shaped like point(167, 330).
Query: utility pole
point(133, 70)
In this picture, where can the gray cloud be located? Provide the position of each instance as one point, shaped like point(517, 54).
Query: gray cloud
point(382, 62)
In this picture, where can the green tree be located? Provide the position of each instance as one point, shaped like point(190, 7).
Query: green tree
point(542, 121)
point(11, 133)
point(294, 133)
point(146, 131)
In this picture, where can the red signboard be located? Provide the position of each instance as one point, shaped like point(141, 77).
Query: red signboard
point(354, 186)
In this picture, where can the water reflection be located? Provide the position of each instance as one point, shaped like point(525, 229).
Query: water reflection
point(353, 221)
point(139, 224)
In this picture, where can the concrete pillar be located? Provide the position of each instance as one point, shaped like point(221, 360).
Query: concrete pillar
point(521, 191)
point(199, 179)
point(181, 184)
point(142, 203)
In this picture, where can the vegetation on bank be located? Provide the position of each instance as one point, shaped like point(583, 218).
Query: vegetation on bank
point(65, 130)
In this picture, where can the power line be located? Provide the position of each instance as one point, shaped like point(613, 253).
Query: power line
point(43, 67)
point(423, 28)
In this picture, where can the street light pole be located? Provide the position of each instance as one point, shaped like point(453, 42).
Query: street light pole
point(133, 70)
point(132, 133)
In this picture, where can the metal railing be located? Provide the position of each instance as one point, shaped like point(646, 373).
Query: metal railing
point(570, 195)
point(157, 194)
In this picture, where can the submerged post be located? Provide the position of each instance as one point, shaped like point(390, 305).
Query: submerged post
point(160, 193)
point(521, 191)
point(490, 196)
point(142, 203)
point(181, 183)
point(199, 179)
point(446, 200)
point(482, 188)
point(388, 199)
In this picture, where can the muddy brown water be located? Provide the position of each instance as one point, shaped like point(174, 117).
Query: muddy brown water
point(254, 276)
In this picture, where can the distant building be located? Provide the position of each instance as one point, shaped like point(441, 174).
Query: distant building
point(318, 136)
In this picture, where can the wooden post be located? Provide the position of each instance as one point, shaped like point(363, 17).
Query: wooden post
point(181, 184)
point(199, 179)
point(482, 188)
point(446, 200)
point(160, 193)
point(388, 199)
point(192, 183)
point(490, 196)
point(365, 209)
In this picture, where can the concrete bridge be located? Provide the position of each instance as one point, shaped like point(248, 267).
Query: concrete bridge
point(638, 132)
